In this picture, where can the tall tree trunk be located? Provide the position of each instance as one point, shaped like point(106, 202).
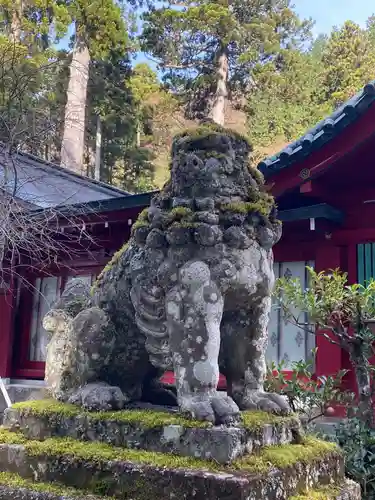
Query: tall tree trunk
point(73, 143)
point(16, 23)
point(221, 93)
point(98, 150)
point(138, 142)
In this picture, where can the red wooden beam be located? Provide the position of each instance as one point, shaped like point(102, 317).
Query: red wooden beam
point(7, 303)
point(323, 158)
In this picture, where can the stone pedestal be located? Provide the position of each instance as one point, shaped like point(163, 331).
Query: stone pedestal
point(139, 454)
point(149, 430)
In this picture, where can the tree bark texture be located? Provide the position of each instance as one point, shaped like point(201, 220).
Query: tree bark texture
point(16, 22)
point(221, 93)
point(73, 143)
point(98, 150)
point(363, 378)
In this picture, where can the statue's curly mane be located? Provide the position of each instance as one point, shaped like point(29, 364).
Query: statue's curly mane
point(214, 196)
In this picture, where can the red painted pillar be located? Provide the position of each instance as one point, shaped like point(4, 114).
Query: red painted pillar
point(350, 383)
point(329, 356)
point(7, 302)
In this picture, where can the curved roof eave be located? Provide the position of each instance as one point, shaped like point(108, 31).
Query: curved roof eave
point(321, 133)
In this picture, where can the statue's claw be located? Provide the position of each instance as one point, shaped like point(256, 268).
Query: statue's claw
point(217, 408)
point(98, 397)
point(265, 401)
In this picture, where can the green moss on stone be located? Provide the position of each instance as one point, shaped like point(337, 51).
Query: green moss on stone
point(179, 213)
point(15, 481)
point(256, 420)
point(330, 492)
point(115, 258)
point(257, 175)
point(252, 420)
point(287, 455)
point(281, 457)
point(7, 437)
point(101, 452)
point(262, 206)
point(210, 129)
point(239, 207)
point(215, 154)
point(259, 207)
point(143, 216)
point(138, 224)
point(102, 486)
point(146, 418)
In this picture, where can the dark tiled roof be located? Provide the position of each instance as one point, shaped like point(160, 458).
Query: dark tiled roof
point(322, 132)
point(43, 184)
point(102, 206)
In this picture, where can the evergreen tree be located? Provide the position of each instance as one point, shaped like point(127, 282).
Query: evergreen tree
point(100, 29)
point(34, 23)
point(156, 106)
point(318, 46)
point(349, 63)
point(208, 48)
point(285, 99)
point(148, 120)
point(110, 100)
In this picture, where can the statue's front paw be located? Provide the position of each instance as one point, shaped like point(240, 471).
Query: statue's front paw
point(99, 397)
point(265, 401)
point(217, 408)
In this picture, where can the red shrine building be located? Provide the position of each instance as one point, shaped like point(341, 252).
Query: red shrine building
point(324, 184)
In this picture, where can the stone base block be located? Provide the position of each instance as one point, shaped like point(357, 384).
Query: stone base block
point(276, 473)
point(153, 430)
point(348, 490)
point(15, 487)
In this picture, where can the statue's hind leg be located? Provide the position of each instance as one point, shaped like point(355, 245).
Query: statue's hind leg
point(244, 342)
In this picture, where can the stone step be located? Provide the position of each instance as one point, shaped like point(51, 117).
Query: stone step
point(14, 487)
point(347, 490)
point(153, 430)
point(276, 473)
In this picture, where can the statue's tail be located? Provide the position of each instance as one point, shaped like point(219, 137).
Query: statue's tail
point(150, 319)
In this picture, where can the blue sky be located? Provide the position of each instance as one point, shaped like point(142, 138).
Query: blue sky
point(326, 13)
point(329, 13)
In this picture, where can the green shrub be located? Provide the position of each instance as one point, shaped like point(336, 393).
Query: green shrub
point(357, 439)
point(310, 396)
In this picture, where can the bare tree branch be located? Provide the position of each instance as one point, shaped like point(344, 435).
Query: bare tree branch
point(30, 238)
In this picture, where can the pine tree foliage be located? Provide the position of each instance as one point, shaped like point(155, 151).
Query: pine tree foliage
point(349, 62)
point(285, 100)
point(208, 48)
point(254, 60)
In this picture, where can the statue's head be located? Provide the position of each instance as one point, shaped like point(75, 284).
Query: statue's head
point(213, 195)
point(211, 162)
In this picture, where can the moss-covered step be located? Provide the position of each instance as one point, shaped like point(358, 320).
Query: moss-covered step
point(152, 430)
point(276, 473)
point(14, 487)
point(347, 490)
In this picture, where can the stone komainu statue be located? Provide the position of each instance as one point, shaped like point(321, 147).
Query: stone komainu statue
point(189, 292)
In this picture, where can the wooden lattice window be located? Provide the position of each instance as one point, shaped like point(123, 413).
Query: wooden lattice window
point(286, 341)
